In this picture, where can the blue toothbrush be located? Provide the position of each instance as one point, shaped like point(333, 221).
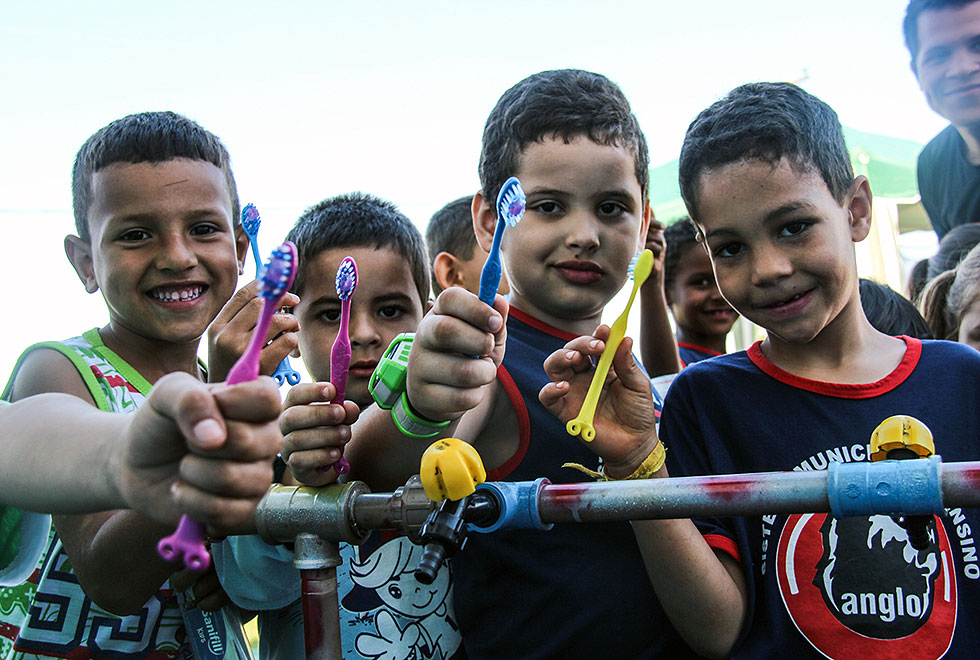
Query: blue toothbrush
point(250, 223)
point(511, 203)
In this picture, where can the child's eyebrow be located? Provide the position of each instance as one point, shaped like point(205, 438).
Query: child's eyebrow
point(786, 209)
point(395, 296)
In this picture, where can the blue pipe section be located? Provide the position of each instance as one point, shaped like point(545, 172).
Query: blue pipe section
point(518, 505)
point(910, 487)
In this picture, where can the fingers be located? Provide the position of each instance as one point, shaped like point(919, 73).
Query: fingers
point(315, 431)
point(218, 513)
point(627, 371)
point(231, 331)
point(205, 589)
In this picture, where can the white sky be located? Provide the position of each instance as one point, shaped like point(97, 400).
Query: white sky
point(317, 98)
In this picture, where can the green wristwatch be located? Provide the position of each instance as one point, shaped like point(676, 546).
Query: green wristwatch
point(387, 386)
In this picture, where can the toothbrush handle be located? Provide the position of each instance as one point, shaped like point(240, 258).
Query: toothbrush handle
point(285, 373)
point(582, 424)
point(188, 538)
point(490, 275)
point(340, 355)
point(254, 241)
point(339, 366)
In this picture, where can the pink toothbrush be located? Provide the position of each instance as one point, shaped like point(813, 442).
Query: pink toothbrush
point(340, 352)
point(277, 276)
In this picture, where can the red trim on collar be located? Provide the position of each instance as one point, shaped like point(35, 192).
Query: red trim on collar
point(523, 426)
point(527, 319)
point(695, 347)
point(913, 350)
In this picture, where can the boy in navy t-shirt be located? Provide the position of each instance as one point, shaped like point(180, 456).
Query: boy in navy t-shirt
point(767, 180)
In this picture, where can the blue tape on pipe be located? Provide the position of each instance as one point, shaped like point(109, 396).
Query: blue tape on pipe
point(518, 505)
point(862, 489)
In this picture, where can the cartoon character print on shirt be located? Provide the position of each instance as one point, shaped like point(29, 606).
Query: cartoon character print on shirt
point(411, 620)
point(856, 586)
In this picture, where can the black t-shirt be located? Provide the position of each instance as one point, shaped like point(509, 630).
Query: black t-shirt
point(948, 183)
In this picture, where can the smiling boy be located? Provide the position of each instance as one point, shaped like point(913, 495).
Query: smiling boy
point(767, 180)
point(156, 213)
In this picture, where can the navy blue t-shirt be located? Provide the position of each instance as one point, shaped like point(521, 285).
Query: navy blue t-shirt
point(821, 587)
point(575, 591)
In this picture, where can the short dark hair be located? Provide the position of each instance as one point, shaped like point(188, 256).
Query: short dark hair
point(890, 312)
point(910, 25)
point(561, 104)
point(767, 122)
point(680, 236)
point(450, 229)
point(146, 137)
point(359, 220)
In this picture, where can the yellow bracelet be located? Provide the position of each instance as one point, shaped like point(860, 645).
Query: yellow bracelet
point(650, 466)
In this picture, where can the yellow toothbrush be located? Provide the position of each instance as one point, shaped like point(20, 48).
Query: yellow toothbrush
point(640, 269)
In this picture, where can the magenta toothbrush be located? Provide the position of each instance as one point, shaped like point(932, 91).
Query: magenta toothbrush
point(340, 352)
point(250, 223)
point(277, 276)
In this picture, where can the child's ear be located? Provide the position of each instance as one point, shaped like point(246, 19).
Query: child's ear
point(80, 255)
point(241, 247)
point(484, 221)
point(447, 271)
point(858, 204)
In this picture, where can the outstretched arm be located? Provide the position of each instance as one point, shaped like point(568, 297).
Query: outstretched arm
point(190, 449)
point(702, 592)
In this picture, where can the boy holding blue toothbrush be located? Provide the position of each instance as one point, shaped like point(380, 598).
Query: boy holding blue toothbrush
point(572, 140)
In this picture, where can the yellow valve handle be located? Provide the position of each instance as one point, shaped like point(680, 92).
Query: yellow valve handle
point(451, 469)
point(582, 424)
point(901, 431)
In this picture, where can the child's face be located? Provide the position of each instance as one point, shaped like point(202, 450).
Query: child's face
point(694, 298)
point(969, 331)
point(164, 250)
point(384, 304)
point(585, 218)
point(781, 245)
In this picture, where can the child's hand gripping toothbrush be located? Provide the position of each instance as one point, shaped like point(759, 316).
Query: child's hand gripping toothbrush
point(276, 277)
point(250, 223)
point(511, 203)
point(640, 269)
point(340, 351)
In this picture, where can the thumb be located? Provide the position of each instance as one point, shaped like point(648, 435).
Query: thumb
point(190, 404)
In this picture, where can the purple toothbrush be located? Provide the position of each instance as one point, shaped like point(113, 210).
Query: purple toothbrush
point(340, 352)
point(277, 276)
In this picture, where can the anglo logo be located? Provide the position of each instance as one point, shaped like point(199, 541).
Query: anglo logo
point(856, 586)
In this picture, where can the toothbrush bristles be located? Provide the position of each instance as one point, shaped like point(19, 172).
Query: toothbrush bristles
point(250, 217)
point(631, 270)
point(277, 274)
point(346, 278)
